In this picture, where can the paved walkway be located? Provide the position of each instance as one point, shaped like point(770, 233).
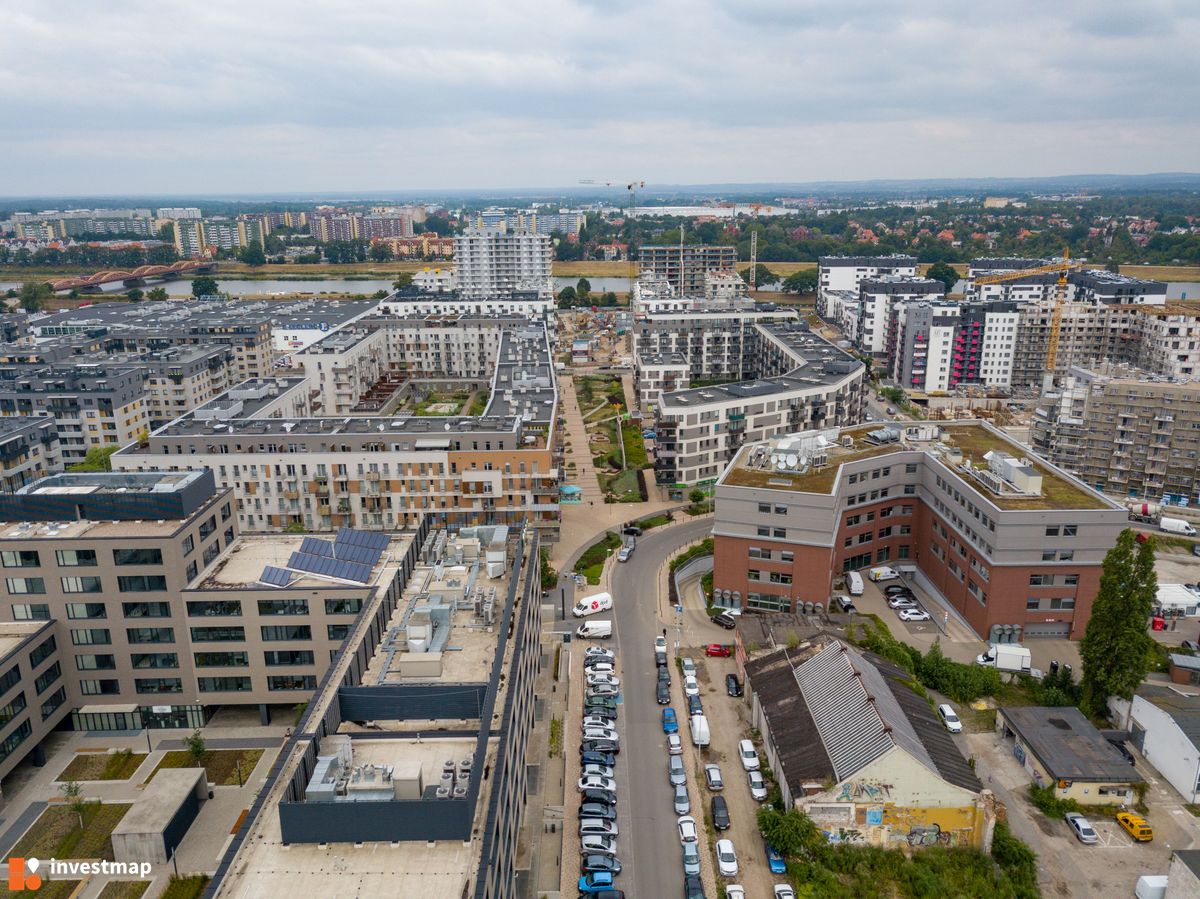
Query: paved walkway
point(18, 827)
point(244, 743)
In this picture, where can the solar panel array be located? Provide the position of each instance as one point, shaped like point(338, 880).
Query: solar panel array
point(348, 571)
point(316, 547)
point(361, 554)
point(370, 539)
point(276, 577)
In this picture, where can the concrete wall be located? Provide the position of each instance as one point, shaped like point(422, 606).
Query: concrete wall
point(155, 826)
point(1166, 747)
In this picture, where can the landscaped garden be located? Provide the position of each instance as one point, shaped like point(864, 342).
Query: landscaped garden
point(102, 766)
point(57, 834)
point(220, 764)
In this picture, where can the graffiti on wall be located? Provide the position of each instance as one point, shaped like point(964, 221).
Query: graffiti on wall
point(929, 835)
point(864, 790)
point(847, 837)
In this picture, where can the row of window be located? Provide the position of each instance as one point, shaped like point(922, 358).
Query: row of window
point(130, 583)
point(141, 635)
point(757, 552)
point(1056, 603)
point(1049, 580)
point(95, 611)
point(76, 558)
point(274, 658)
point(206, 684)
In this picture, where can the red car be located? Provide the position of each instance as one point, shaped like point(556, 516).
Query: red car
point(718, 649)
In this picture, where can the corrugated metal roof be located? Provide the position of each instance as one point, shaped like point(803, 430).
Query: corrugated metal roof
point(1183, 709)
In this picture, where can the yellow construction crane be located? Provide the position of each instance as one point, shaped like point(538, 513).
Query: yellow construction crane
point(1060, 297)
point(631, 188)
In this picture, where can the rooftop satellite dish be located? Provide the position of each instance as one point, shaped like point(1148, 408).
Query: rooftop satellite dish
point(791, 460)
point(446, 426)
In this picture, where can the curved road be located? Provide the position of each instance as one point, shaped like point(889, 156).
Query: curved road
point(649, 845)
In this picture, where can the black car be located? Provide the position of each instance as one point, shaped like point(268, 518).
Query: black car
point(597, 758)
point(725, 621)
point(664, 676)
point(1119, 745)
point(599, 702)
point(662, 694)
point(593, 862)
point(632, 531)
point(602, 797)
point(693, 887)
point(720, 813)
point(894, 589)
point(732, 685)
point(660, 659)
point(609, 746)
point(606, 714)
point(604, 894)
point(694, 706)
point(593, 661)
point(598, 810)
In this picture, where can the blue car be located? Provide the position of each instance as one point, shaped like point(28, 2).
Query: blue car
point(775, 860)
point(669, 721)
point(596, 881)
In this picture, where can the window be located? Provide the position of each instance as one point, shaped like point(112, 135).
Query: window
point(158, 685)
point(224, 684)
point(211, 552)
point(910, 468)
point(764, 532)
point(852, 520)
point(1048, 555)
point(883, 555)
point(18, 586)
point(283, 607)
point(906, 510)
point(1071, 580)
point(1066, 555)
point(1032, 604)
point(910, 489)
point(1065, 602)
point(37, 611)
point(47, 677)
point(42, 652)
point(99, 687)
point(781, 510)
point(754, 574)
point(343, 606)
point(271, 632)
point(91, 637)
point(337, 631)
point(142, 583)
point(779, 532)
point(189, 545)
point(95, 662)
point(154, 660)
point(15, 739)
point(217, 634)
point(146, 609)
point(1052, 531)
point(51, 705)
point(75, 558)
point(764, 507)
point(1070, 530)
point(756, 552)
point(902, 552)
point(221, 659)
point(24, 558)
point(81, 585)
point(150, 634)
point(226, 511)
point(229, 607)
point(81, 610)
point(291, 682)
point(11, 678)
point(777, 578)
point(208, 527)
point(13, 709)
point(289, 657)
point(1041, 580)
point(785, 556)
point(138, 556)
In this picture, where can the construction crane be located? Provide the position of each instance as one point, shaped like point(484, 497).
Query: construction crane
point(1060, 299)
point(631, 188)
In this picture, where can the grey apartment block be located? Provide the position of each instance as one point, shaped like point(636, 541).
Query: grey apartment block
point(33, 698)
point(684, 267)
point(29, 450)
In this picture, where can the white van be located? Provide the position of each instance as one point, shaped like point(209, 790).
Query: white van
point(854, 583)
point(590, 605)
point(883, 574)
point(594, 630)
point(700, 735)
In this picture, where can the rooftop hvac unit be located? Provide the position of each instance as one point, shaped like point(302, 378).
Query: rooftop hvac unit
point(442, 792)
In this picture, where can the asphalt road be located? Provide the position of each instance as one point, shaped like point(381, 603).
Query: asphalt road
point(649, 845)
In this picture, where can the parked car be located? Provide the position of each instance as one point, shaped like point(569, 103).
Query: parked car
point(674, 744)
point(593, 844)
point(599, 665)
point(775, 861)
point(664, 676)
point(719, 650)
point(603, 797)
point(598, 721)
point(676, 773)
point(597, 862)
point(735, 891)
point(597, 827)
point(758, 785)
point(691, 686)
point(660, 658)
point(727, 862)
point(632, 531)
point(611, 746)
point(596, 782)
point(599, 652)
point(720, 813)
point(595, 881)
point(1081, 827)
point(601, 733)
point(784, 891)
point(688, 667)
point(624, 554)
point(732, 685)
point(946, 713)
point(693, 887)
point(683, 804)
point(691, 859)
point(894, 589)
point(670, 724)
point(687, 829)
point(1135, 826)
point(600, 702)
point(913, 615)
point(902, 602)
point(1119, 745)
point(602, 690)
point(712, 776)
point(662, 693)
point(595, 678)
point(748, 755)
point(844, 604)
point(660, 644)
point(600, 770)
point(723, 620)
point(598, 810)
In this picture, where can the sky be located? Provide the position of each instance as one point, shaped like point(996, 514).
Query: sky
point(258, 96)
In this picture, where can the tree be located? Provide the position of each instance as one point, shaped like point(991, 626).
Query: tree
point(156, 293)
point(940, 271)
point(608, 298)
point(72, 791)
point(567, 297)
point(295, 527)
point(697, 496)
point(583, 291)
point(135, 294)
point(803, 281)
point(1115, 648)
point(381, 252)
point(204, 286)
point(252, 254)
point(789, 832)
point(97, 459)
point(195, 747)
point(34, 295)
point(403, 280)
point(762, 275)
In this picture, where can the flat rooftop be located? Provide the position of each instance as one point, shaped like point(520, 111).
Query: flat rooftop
point(443, 427)
point(14, 633)
point(1068, 745)
point(181, 314)
point(244, 565)
point(662, 359)
point(973, 439)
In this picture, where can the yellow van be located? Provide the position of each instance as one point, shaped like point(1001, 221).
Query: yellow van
point(1135, 826)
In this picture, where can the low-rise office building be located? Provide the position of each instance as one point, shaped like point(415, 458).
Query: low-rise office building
point(1006, 540)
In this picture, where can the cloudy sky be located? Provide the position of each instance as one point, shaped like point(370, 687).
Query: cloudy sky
point(227, 96)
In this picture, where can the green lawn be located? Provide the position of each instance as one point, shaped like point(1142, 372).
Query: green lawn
point(56, 833)
point(635, 447)
point(624, 486)
point(57, 889)
point(102, 766)
point(591, 563)
point(123, 889)
point(185, 887)
point(221, 764)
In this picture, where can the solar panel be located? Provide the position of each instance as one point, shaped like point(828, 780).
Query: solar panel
point(276, 577)
point(370, 539)
point(316, 547)
point(348, 553)
point(349, 571)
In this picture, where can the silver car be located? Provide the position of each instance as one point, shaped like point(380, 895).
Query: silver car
point(675, 770)
point(683, 804)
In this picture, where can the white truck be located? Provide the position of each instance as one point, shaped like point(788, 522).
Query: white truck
point(1148, 513)
point(1176, 526)
point(1007, 657)
point(700, 734)
point(590, 605)
point(594, 630)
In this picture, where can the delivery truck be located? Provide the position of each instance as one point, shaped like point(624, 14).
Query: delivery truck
point(590, 605)
point(594, 630)
point(1176, 526)
point(1007, 657)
